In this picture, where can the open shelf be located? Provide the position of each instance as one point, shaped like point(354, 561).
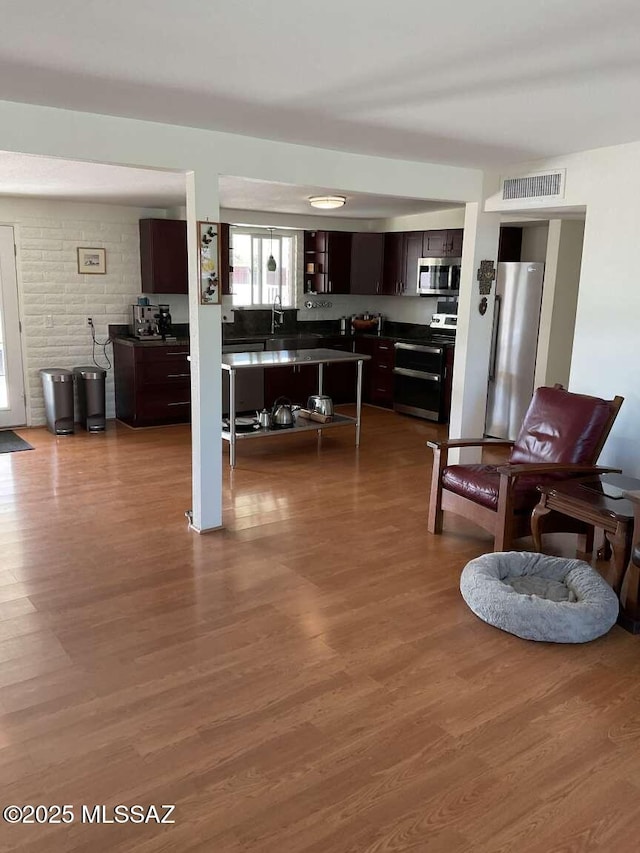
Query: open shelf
point(300, 425)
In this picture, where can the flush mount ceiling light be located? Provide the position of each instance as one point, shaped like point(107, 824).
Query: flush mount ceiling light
point(327, 202)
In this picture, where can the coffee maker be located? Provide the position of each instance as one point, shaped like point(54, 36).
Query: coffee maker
point(165, 328)
point(145, 322)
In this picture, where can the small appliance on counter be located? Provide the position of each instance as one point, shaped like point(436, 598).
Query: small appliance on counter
point(321, 404)
point(144, 324)
point(165, 328)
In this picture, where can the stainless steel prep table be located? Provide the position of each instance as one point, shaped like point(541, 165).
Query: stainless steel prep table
point(233, 362)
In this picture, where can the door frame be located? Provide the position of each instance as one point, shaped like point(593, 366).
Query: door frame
point(23, 354)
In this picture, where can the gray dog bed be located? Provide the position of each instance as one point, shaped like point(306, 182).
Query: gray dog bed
point(538, 597)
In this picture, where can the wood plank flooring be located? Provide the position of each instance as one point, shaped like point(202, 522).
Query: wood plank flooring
point(306, 681)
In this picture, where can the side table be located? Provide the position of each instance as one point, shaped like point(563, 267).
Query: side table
point(598, 502)
point(630, 594)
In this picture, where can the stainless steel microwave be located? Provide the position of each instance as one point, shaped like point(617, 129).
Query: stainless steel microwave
point(438, 276)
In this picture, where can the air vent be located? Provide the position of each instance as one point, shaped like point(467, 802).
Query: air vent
point(535, 187)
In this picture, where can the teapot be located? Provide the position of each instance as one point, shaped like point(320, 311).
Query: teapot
point(281, 414)
point(264, 419)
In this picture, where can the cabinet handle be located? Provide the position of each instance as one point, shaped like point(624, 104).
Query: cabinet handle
point(186, 403)
point(177, 375)
point(377, 287)
point(176, 353)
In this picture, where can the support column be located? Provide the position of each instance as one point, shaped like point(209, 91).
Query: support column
point(205, 333)
point(473, 337)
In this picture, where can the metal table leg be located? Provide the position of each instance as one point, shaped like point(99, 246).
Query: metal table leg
point(232, 418)
point(320, 377)
point(358, 401)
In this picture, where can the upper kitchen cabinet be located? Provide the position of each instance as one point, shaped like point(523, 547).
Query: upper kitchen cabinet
point(327, 261)
point(510, 245)
point(393, 270)
point(226, 263)
point(413, 248)
point(446, 243)
point(163, 255)
point(366, 263)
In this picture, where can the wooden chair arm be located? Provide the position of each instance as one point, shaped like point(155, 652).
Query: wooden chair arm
point(514, 471)
point(469, 442)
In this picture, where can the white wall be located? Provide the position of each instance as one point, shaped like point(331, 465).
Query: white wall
point(534, 243)
point(559, 301)
point(605, 359)
point(47, 235)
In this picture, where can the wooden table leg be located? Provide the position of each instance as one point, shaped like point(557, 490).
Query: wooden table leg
point(538, 513)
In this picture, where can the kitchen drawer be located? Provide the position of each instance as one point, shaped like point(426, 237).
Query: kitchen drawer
point(383, 353)
point(168, 354)
point(165, 408)
point(162, 373)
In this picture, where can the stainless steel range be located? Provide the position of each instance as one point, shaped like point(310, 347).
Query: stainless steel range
point(421, 380)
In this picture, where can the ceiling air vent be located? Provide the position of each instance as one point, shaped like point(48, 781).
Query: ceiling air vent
point(535, 187)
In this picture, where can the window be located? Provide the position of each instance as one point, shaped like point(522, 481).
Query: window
point(251, 282)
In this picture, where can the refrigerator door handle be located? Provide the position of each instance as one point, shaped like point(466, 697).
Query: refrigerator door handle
point(494, 337)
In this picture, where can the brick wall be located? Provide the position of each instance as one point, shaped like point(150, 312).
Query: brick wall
point(52, 292)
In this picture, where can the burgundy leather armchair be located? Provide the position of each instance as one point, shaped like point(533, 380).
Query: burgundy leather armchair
point(562, 435)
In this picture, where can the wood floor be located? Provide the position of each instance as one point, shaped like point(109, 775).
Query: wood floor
point(309, 679)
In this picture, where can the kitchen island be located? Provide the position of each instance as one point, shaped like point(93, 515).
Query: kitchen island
point(232, 362)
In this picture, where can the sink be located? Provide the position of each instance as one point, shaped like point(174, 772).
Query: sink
point(301, 341)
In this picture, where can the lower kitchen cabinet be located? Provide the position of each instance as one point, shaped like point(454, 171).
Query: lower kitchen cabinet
point(340, 379)
point(297, 383)
point(377, 387)
point(152, 383)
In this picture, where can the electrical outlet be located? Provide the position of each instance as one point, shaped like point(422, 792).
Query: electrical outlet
point(48, 321)
point(89, 321)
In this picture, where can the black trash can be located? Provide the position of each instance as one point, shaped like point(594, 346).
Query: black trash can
point(57, 385)
point(90, 382)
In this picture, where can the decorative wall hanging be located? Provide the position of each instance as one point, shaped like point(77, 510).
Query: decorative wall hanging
point(486, 276)
point(482, 307)
point(209, 263)
point(92, 261)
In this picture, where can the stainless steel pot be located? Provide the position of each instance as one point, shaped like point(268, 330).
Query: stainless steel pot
point(281, 414)
point(320, 403)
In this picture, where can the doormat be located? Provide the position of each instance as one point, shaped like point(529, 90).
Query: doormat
point(10, 442)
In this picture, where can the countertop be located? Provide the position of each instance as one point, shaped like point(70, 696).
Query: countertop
point(282, 358)
point(130, 341)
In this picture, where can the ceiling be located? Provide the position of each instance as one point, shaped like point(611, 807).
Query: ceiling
point(70, 180)
point(245, 194)
point(461, 82)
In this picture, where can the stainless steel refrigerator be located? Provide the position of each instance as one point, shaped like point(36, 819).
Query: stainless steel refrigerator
point(516, 321)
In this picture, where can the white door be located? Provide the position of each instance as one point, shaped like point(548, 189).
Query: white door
point(12, 399)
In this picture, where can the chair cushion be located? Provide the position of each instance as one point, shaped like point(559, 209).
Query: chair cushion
point(537, 597)
point(561, 427)
point(481, 483)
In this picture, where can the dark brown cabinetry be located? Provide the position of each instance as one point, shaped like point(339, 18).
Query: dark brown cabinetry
point(226, 267)
point(377, 386)
point(152, 383)
point(296, 382)
point(394, 263)
point(340, 379)
point(367, 252)
point(327, 261)
point(444, 243)
point(163, 255)
point(510, 244)
point(413, 244)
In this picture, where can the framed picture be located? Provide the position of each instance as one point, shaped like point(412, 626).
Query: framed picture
point(209, 263)
point(92, 261)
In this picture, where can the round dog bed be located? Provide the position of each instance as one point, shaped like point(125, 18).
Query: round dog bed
point(537, 597)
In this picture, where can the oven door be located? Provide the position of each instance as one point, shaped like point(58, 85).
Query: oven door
point(418, 380)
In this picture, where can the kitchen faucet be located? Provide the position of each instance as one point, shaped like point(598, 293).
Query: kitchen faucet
point(276, 310)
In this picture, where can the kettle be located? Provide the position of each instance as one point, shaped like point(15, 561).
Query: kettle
point(281, 414)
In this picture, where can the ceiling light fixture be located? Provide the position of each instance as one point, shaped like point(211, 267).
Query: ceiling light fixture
point(327, 202)
point(271, 263)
